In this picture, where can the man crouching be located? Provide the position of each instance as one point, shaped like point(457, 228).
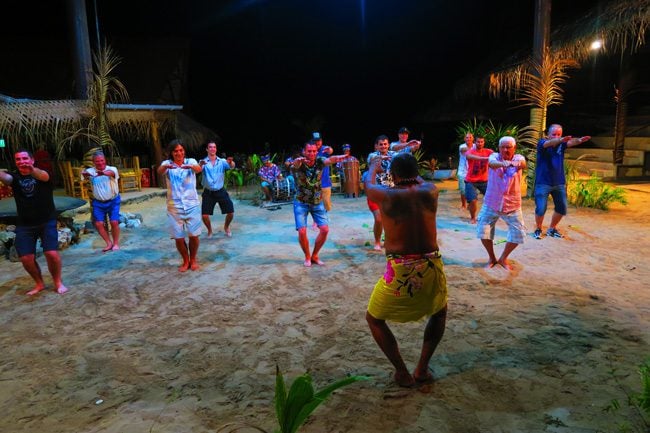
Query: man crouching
point(414, 284)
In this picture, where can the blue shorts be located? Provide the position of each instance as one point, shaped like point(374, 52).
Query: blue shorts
point(317, 211)
point(110, 208)
point(558, 192)
point(473, 188)
point(26, 237)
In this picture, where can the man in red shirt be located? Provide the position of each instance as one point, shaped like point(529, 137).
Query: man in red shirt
point(477, 174)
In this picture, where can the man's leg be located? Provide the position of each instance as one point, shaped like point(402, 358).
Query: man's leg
point(194, 249)
point(54, 266)
point(226, 224)
point(555, 220)
point(181, 246)
point(471, 206)
point(115, 231)
point(303, 240)
point(433, 333)
point(318, 244)
point(388, 344)
point(503, 260)
point(377, 228)
point(489, 247)
point(99, 225)
point(34, 270)
point(208, 225)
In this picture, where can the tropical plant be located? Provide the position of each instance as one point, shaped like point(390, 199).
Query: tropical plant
point(487, 129)
point(639, 402)
point(293, 408)
point(423, 164)
point(594, 193)
point(104, 88)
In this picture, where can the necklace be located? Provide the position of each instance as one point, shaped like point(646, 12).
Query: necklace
point(406, 182)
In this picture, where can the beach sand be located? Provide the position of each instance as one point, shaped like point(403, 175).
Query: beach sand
point(136, 346)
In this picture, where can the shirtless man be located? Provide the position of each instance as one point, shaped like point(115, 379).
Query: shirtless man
point(33, 192)
point(414, 284)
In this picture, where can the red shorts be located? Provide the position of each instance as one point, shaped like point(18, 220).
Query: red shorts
point(372, 205)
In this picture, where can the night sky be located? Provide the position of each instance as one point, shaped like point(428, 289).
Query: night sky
point(261, 71)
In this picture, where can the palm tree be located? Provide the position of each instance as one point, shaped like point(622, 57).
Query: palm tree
point(104, 88)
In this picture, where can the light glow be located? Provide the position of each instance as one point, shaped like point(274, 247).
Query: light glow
point(596, 45)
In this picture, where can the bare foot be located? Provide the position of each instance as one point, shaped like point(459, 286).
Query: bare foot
point(209, 236)
point(404, 379)
point(35, 290)
point(194, 266)
point(317, 261)
point(472, 221)
point(116, 247)
point(424, 379)
point(184, 267)
point(61, 289)
point(307, 263)
point(490, 265)
point(228, 233)
point(505, 264)
point(377, 247)
point(108, 248)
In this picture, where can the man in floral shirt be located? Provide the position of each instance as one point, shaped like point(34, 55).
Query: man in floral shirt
point(268, 174)
point(307, 172)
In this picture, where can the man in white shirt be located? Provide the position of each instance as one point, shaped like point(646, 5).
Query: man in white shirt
point(106, 199)
point(462, 166)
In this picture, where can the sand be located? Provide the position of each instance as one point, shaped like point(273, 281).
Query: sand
point(135, 346)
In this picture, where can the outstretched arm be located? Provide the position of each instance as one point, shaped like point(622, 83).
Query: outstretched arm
point(577, 140)
point(6, 178)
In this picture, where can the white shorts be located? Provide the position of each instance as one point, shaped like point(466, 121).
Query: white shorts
point(487, 220)
point(182, 222)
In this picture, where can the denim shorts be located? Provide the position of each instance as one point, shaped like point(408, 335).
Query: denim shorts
point(558, 193)
point(317, 211)
point(26, 237)
point(473, 188)
point(110, 208)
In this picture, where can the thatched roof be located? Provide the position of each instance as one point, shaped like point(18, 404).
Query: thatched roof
point(31, 123)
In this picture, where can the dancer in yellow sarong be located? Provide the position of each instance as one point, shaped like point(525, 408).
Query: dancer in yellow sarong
point(414, 283)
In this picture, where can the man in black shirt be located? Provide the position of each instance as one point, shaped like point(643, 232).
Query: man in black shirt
point(36, 218)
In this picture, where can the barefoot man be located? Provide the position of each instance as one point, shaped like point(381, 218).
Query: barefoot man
point(183, 204)
point(414, 284)
point(307, 171)
point(502, 200)
point(32, 190)
point(106, 199)
point(213, 181)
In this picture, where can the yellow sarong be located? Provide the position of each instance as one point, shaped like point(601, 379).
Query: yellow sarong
point(412, 287)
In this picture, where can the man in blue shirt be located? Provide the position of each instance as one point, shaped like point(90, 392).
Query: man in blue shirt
point(214, 174)
point(550, 179)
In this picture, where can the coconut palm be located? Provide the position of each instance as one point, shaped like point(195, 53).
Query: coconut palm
point(104, 89)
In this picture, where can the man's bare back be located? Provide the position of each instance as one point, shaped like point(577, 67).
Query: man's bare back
point(409, 218)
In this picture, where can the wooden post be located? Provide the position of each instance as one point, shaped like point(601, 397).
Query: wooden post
point(157, 152)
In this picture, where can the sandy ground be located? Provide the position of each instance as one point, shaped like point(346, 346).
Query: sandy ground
point(137, 347)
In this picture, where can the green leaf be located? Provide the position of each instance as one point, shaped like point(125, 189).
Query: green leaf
point(280, 396)
point(300, 393)
point(320, 397)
